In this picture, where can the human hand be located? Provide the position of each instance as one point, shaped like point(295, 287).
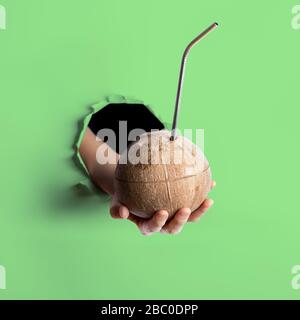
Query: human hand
point(159, 223)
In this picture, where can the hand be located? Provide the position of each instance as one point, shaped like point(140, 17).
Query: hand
point(158, 223)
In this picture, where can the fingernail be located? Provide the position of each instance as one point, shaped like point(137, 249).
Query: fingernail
point(187, 211)
point(146, 234)
point(164, 213)
point(122, 213)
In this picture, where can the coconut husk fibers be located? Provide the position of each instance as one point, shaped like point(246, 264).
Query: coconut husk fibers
point(168, 175)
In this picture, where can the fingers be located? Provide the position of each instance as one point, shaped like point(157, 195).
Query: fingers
point(201, 210)
point(147, 227)
point(117, 210)
point(177, 223)
point(158, 222)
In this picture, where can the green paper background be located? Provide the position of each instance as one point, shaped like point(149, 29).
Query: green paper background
point(242, 86)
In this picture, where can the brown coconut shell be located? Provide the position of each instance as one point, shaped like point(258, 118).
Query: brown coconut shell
point(162, 174)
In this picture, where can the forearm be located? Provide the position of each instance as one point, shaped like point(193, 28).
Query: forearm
point(101, 174)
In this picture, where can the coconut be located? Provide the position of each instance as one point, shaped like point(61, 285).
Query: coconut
point(156, 173)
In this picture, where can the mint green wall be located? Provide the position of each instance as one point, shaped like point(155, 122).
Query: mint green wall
point(242, 86)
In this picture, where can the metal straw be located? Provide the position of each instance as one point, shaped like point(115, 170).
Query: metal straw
point(181, 76)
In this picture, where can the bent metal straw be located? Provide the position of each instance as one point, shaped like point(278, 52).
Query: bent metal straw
point(181, 76)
